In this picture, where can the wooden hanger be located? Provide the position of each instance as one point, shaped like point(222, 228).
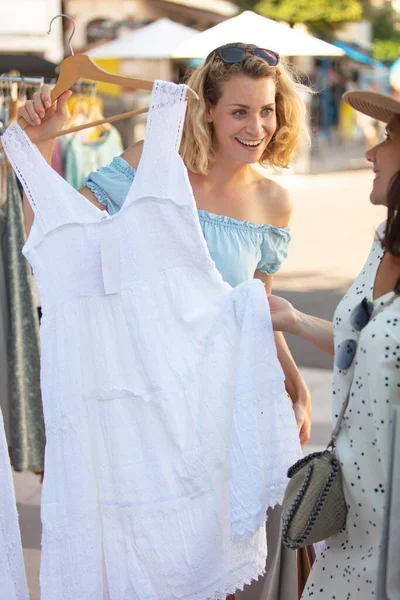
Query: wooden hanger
point(81, 66)
point(131, 113)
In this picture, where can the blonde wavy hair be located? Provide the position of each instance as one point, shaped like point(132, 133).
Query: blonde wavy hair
point(197, 143)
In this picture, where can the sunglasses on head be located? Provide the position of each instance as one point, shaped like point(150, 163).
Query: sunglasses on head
point(235, 54)
point(359, 318)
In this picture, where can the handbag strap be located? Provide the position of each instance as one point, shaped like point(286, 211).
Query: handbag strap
point(335, 432)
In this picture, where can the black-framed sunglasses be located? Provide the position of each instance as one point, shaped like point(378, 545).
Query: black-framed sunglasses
point(235, 54)
point(359, 318)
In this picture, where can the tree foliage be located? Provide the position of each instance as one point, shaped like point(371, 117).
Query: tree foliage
point(386, 33)
point(386, 50)
point(246, 4)
point(311, 12)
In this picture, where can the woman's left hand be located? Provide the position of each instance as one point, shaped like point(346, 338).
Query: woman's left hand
point(302, 407)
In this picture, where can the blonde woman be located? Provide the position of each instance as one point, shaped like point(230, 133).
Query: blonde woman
point(249, 112)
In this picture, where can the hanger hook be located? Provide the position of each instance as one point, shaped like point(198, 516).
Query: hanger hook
point(5, 78)
point(93, 92)
point(22, 88)
point(7, 83)
point(73, 29)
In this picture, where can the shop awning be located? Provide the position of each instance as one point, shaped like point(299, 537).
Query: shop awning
point(250, 27)
point(155, 41)
point(358, 56)
point(30, 65)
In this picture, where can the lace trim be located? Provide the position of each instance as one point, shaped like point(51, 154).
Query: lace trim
point(168, 96)
point(17, 146)
point(12, 572)
point(54, 202)
point(162, 140)
point(236, 584)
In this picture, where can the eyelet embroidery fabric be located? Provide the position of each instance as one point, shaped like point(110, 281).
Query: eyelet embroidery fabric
point(168, 428)
point(12, 572)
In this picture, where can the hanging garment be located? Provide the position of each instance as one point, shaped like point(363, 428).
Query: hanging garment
point(3, 180)
point(238, 248)
point(80, 156)
point(168, 429)
point(56, 158)
point(13, 584)
point(4, 318)
point(27, 426)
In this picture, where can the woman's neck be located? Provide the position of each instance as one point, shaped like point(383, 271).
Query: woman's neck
point(227, 174)
point(387, 275)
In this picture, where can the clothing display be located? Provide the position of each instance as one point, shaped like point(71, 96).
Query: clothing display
point(4, 319)
point(13, 584)
point(25, 400)
point(238, 248)
point(80, 156)
point(56, 158)
point(348, 563)
point(3, 179)
point(168, 428)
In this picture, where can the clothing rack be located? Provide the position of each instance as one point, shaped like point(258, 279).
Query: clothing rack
point(7, 79)
point(14, 90)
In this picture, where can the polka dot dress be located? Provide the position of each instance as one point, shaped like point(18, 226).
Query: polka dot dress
point(346, 568)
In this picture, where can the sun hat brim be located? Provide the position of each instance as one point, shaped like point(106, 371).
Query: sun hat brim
point(378, 106)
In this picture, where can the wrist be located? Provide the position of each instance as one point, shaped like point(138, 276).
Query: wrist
point(46, 149)
point(295, 384)
point(298, 323)
point(294, 381)
point(299, 392)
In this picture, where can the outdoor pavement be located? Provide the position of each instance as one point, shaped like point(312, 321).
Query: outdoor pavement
point(329, 155)
point(333, 225)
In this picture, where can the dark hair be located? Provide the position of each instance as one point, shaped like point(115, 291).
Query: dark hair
point(391, 238)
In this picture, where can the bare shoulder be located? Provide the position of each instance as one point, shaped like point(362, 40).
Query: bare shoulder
point(133, 153)
point(276, 202)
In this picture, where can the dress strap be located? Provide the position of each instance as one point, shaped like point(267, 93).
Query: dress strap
point(24, 159)
point(156, 175)
point(54, 202)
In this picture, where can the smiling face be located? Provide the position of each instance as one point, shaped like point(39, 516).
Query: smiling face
point(385, 158)
point(244, 118)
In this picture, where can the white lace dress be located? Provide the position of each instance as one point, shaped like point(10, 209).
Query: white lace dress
point(346, 568)
point(12, 571)
point(168, 428)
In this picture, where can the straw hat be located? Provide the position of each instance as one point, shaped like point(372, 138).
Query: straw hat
point(377, 106)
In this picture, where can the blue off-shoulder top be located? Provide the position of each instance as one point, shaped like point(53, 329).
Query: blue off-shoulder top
point(238, 248)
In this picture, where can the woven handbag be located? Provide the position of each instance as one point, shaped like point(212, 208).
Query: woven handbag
point(314, 507)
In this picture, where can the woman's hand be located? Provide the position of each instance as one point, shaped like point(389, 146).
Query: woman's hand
point(283, 314)
point(44, 118)
point(284, 318)
point(302, 407)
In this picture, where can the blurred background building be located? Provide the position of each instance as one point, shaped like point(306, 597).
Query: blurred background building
point(359, 44)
